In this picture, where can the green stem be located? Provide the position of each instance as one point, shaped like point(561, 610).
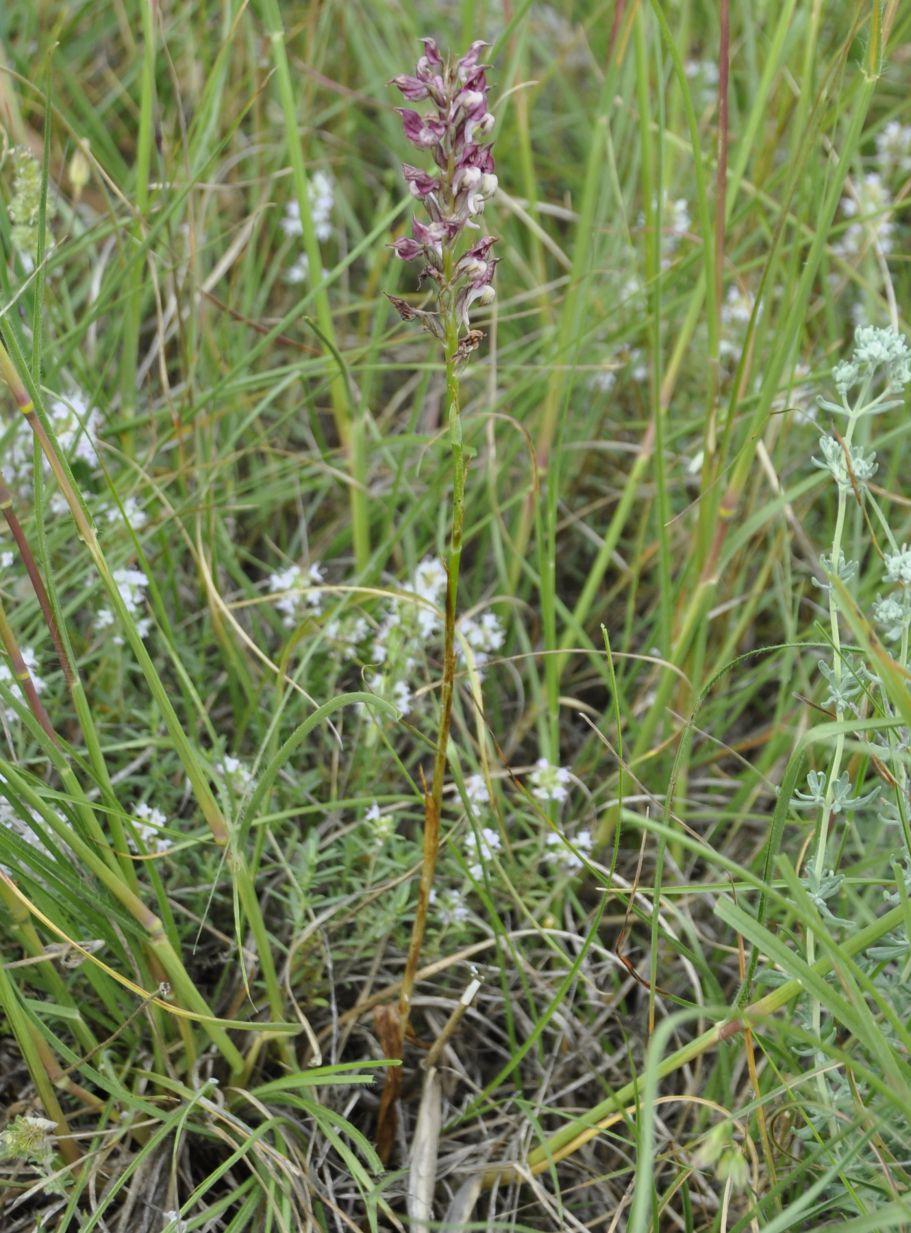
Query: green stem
point(433, 800)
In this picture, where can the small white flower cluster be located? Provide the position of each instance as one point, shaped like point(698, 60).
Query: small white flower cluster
point(484, 636)
point(893, 612)
point(75, 424)
point(893, 149)
point(149, 822)
point(132, 513)
point(321, 191)
point(292, 586)
point(449, 906)
point(382, 826)
point(549, 782)
point(429, 584)
point(559, 853)
point(476, 790)
point(398, 644)
point(132, 585)
point(836, 457)
point(870, 206)
point(898, 565)
point(482, 845)
point(235, 774)
point(604, 380)
point(878, 353)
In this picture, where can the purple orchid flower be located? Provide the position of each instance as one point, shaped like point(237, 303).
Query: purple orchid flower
point(453, 132)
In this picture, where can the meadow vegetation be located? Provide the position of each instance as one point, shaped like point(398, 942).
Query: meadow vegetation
point(552, 873)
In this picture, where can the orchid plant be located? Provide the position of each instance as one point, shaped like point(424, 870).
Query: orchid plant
point(453, 195)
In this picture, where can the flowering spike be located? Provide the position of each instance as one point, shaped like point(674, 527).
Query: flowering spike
point(452, 131)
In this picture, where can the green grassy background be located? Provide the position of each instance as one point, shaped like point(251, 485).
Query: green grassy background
point(643, 518)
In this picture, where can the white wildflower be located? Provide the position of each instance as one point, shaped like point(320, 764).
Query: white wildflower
point(429, 583)
point(132, 584)
point(429, 580)
point(476, 790)
point(381, 825)
point(676, 222)
point(484, 636)
point(892, 614)
point(885, 348)
point(893, 149)
point(151, 821)
point(129, 511)
point(299, 271)
point(559, 852)
point(449, 906)
point(235, 773)
point(549, 782)
point(482, 845)
point(401, 696)
point(293, 587)
point(75, 425)
point(898, 565)
point(321, 191)
point(673, 218)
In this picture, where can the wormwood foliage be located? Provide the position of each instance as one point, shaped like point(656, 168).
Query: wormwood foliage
point(636, 736)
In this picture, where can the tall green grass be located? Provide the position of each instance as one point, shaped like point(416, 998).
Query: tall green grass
point(213, 786)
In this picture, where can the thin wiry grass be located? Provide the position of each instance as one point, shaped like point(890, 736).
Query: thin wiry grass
point(661, 618)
